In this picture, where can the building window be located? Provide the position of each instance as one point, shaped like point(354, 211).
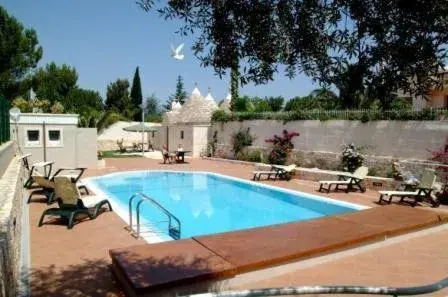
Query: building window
point(152, 134)
point(182, 134)
point(32, 137)
point(54, 137)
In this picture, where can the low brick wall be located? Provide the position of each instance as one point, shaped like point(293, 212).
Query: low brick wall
point(11, 197)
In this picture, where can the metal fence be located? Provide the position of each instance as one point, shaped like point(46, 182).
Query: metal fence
point(4, 120)
point(364, 115)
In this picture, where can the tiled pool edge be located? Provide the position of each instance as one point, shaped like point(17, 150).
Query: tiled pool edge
point(426, 220)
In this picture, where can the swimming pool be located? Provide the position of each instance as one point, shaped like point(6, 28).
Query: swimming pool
point(208, 203)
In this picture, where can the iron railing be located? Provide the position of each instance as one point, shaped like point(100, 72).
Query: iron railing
point(306, 290)
point(4, 120)
point(174, 226)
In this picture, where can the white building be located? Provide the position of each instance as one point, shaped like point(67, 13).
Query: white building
point(55, 137)
point(189, 124)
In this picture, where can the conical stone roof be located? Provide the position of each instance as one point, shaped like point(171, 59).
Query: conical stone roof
point(225, 104)
point(197, 110)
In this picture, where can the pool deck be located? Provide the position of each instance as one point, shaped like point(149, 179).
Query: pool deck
point(77, 262)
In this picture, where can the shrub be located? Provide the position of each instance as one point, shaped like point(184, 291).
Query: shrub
point(324, 115)
point(251, 156)
point(441, 156)
point(241, 139)
point(282, 145)
point(351, 157)
point(220, 115)
point(154, 118)
point(211, 147)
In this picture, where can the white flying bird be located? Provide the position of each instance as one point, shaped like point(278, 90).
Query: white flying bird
point(175, 52)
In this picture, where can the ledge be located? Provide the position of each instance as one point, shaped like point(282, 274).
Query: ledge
point(144, 270)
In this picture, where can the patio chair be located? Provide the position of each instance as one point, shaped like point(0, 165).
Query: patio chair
point(47, 186)
point(124, 149)
point(423, 191)
point(71, 205)
point(350, 181)
point(276, 172)
point(46, 167)
point(150, 146)
point(166, 157)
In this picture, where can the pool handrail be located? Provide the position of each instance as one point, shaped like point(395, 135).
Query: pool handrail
point(306, 290)
point(175, 234)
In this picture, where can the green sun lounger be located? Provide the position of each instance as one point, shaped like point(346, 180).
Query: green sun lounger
point(46, 184)
point(71, 206)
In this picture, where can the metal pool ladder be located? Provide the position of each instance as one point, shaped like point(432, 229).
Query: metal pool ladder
point(174, 226)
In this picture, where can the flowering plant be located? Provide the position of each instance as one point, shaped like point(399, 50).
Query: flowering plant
point(281, 146)
point(351, 157)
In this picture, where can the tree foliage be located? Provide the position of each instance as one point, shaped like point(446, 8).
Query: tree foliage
point(180, 95)
point(152, 105)
point(363, 47)
point(322, 99)
point(136, 95)
point(117, 98)
point(80, 100)
point(19, 53)
point(54, 82)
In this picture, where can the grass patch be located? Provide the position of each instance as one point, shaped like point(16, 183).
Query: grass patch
point(117, 154)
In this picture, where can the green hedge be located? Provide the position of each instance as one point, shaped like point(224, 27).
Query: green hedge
point(325, 115)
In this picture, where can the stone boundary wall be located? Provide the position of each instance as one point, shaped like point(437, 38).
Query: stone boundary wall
point(11, 197)
point(379, 166)
point(391, 139)
point(6, 154)
point(313, 174)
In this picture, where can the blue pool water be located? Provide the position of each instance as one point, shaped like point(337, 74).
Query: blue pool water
point(207, 203)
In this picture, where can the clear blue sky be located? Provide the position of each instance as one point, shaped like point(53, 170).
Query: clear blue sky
point(106, 39)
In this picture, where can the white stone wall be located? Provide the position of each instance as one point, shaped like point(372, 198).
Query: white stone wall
point(11, 197)
point(397, 139)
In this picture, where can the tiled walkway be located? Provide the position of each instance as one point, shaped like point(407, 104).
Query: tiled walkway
point(76, 262)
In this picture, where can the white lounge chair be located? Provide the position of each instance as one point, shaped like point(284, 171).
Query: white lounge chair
point(276, 172)
point(33, 170)
point(348, 180)
point(423, 191)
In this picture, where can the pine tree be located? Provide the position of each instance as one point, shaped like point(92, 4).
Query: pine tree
point(136, 95)
point(234, 76)
point(179, 96)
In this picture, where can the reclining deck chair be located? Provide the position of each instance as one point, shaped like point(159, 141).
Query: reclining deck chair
point(423, 191)
point(47, 184)
point(71, 205)
point(349, 180)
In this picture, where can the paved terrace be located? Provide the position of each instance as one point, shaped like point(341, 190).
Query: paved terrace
point(76, 262)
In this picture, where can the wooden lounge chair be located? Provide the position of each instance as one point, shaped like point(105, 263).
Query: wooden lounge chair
point(47, 186)
point(423, 191)
point(71, 205)
point(350, 181)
